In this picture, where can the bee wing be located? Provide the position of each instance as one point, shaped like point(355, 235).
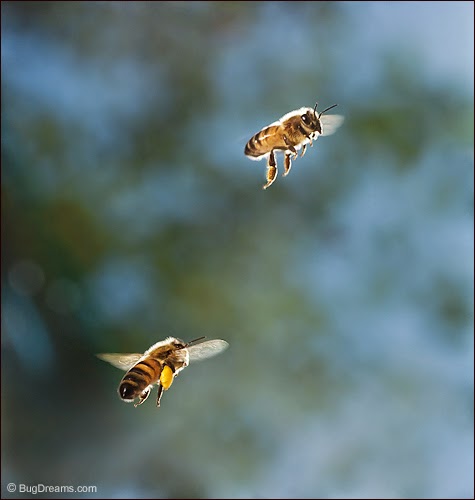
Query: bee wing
point(121, 361)
point(207, 349)
point(330, 123)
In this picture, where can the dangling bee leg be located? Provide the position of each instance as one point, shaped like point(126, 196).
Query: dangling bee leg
point(287, 164)
point(166, 380)
point(166, 377)
point(159, 395)
point(290, 147)
point(271, 170)
point(304, 147)
point(145, 394)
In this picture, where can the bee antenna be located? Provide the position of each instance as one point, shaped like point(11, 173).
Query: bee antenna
point(195, 340)
point(315, 109)
point(325, 110)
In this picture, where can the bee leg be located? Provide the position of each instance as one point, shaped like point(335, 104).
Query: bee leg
point(304, 147)
point(271, 170)
point(290, 147)
point(145, 394)
point(287, 164)
point(166, 380)
point(159, 395)
point(166, 377)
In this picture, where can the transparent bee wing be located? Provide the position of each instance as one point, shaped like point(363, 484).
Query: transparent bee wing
point(330, 123)
point(207, 349)
point(121, 361)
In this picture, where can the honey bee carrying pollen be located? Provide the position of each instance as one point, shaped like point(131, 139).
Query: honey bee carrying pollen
point(159, 364)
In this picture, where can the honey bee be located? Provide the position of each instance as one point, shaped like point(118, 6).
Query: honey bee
point(289, 134)
point(159, 364)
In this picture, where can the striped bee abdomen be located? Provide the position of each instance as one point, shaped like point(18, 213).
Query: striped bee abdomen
point(261, 143)
point(139, 377)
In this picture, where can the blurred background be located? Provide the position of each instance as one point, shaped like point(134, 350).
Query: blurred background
point(130, 213)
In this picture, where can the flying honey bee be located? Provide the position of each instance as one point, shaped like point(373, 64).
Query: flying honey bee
point(159, 364)
point(289, 134)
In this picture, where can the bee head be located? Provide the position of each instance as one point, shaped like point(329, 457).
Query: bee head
point(179, 344)
point(311, 119)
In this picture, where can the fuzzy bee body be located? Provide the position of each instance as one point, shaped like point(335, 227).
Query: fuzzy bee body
point(160, 364)
point(139, 378)
point(293, 132)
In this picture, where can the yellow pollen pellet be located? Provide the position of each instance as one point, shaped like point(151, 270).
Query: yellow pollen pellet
point(166, 377)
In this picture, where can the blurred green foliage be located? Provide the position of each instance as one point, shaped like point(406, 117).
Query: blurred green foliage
point(129, 213)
